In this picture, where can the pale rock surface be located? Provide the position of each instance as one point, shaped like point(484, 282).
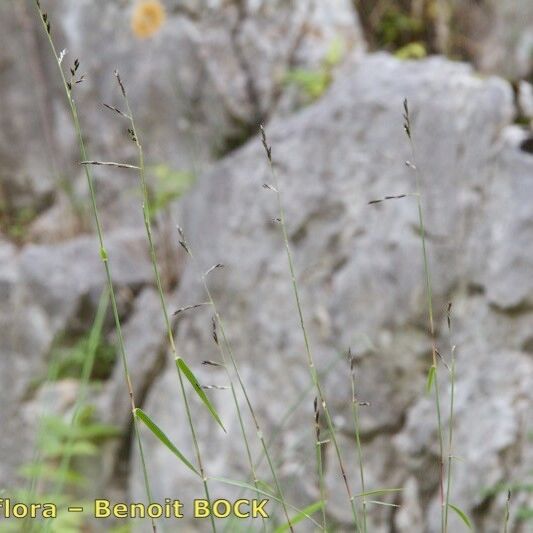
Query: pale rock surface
point(213, 70)
point(507, 45)
point(360, 273)
point(48, 290)
point(359, 266)
point(198, 86)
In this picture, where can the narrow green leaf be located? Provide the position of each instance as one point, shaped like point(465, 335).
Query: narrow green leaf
point(309, 510)
point(461, 514)
point(375, 492)
point(386, 504)
point(263, 485)
point(158, 432)
point(431, 378)
point(182, 365)
point(247, 486)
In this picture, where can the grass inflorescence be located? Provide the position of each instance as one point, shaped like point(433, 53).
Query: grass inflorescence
point(445, 471)
point(310, 360)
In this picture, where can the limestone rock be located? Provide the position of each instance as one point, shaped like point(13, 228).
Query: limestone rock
point(360, 273)
point(49, 290)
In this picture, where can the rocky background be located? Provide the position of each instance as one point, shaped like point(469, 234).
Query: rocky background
point(311, 71)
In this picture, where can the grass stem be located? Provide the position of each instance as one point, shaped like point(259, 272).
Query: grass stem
point(355, 416)
point(68, 87)
point(153, 257)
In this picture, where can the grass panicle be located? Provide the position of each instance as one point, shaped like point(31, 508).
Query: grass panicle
point(310, 361)
point(434, 370)
point(445, 471)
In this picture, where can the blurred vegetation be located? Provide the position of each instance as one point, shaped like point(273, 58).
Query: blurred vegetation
point(523, 512)
point(70, 357)
point(168, 185)
point(314, 82)
point(15, 222)
point(410, 27)
point(61, 449)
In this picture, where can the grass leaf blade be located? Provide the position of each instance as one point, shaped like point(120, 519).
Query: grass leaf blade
point(247, 486)
point(159, 433)
point(377, 492)
point(307, 511)
point(182, 365)
point(461, 514)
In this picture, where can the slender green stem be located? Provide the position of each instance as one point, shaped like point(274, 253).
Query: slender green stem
point(103, 253)
point(245, 439)
point(153, 257)
point(320, 465)
point(235, 401)
point(310, 360)
point(507, 514)
point(289, 413)
point(355, 416)
point(450, 439)
point(429, 298)
point(321, 484)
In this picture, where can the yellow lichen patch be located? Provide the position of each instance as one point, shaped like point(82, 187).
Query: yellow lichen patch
point(148, 16)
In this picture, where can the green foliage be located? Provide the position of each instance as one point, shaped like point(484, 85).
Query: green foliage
point(14, 223)
point(59, 440)
point(70, 357)
point(411, 28)
point(85, 428)
point(168, 185)
point(183, 367)
point(314, 82)
point(161, 436)
point(302, 515)
point(461, 514)
point(397, 27)
point(414, 50)
point(524, 513)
